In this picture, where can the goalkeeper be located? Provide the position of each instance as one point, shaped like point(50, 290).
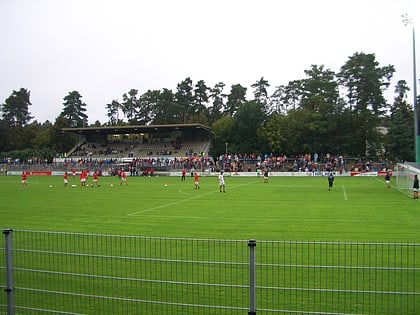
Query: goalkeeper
point(416, 187)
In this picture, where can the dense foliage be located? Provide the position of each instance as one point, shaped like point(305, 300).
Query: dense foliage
point(325, 112)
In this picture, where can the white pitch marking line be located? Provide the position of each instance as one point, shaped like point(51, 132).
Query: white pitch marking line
point(345, 193)
point(169, 204)
point(179, 201)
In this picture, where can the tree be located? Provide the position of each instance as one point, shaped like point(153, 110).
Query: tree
point(260, 93)
point(235, 99)
point(274, 133)
point(222, 134)
point(320, 110)
point(400, 136)
point(5, 134)
point(201, 99)
point(130, 106)
point(15, 110)
point(246, 122)
point(74, 110)
point(215, 110)
point(365, 82)
point(307, 112)
point(147, 106)
point(184, 98)
point(62, 142)
point(42, 138)
point(15, 117)
point(113, 110)
point(286, 98)
point(167, 110)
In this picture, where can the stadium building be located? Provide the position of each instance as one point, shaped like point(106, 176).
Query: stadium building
point(141, 148)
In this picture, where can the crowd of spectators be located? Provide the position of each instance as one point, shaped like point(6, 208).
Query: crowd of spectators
point(301, 163)
point(227, 162)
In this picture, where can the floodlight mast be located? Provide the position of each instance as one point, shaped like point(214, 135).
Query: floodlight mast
point(407, 20)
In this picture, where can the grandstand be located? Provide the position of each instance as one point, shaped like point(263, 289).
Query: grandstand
point(178, 140)
point(145, 143)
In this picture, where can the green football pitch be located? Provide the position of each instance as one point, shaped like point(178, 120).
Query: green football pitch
point(287, 208)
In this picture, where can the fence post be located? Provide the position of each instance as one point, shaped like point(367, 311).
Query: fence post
point(9, 272)
point(252, 298)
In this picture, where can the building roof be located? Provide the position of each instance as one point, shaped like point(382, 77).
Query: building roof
point(136, 129)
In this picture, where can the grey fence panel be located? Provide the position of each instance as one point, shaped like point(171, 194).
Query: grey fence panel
point(3, 296)
point(74, 273)
point(338, 278)
point(71, 273)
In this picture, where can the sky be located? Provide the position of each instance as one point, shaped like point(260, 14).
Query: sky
point(104, 48)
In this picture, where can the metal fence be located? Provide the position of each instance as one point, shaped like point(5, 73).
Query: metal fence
point(73, 273)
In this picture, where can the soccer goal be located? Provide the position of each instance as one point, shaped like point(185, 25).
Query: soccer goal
point(405, 176)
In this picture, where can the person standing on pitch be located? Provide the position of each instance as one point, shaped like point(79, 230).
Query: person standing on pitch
point(65, 179)
point(123, 178)
point(221, 182)
point(416, 187)
point(95, 179)
point(266, 175)
point(388, 179)
point(330, 181)
point(196, 184)
point(23, 179)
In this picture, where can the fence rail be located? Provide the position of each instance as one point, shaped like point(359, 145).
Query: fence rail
point(74, 273)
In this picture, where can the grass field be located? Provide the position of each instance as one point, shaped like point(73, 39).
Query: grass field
point(358, 209)
point(287, 208)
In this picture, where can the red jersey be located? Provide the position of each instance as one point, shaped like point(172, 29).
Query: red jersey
point(24, 176)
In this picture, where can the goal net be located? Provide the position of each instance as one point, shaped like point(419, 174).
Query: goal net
point(405, 176)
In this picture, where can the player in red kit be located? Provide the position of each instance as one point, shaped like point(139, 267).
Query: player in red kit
point(95, 179)
point(123, 178)
point(65, 179)
point(23, 180)
point(196, 184)
point(83, 176)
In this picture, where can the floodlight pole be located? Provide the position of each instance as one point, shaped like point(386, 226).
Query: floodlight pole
point(407, 20)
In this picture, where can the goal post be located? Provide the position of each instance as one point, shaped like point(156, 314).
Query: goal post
point(405, 176)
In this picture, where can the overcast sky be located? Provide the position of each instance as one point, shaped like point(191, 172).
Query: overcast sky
point(102, 48)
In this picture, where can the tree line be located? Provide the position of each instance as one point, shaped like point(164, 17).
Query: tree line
point(325, 112)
